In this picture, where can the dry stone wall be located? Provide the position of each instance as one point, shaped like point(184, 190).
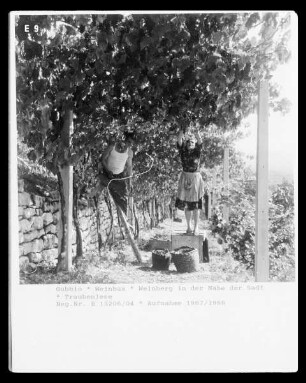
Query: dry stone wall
point(39, 227)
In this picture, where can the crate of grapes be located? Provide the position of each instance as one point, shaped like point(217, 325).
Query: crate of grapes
point(185, 259)
point(161, 259)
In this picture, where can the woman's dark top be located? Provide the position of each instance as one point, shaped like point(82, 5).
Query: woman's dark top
point(190, 157)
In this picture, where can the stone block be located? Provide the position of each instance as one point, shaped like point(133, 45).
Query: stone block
point(35, 246)
point(51, 229)
point(40, 233)
point(21, 238)
point(20, 211)
point(37, 222)
point(56, 208)
point(28, 212)
point(50, 241)
point(47, 218)
point(24, 199)
point(21, 250)
point(49, 255)
point(195, 241)
point(48, 206)
point(33, 265)
point(38, 211)
point(23, 262)
point(20, 185)
point(38, 200)
point(56, 217)
point(28, 237)
point(35, 257)
point(34, 234)
point(25, 226)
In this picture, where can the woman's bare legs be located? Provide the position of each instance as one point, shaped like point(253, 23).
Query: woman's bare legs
point(196, 221)
point(188, 219)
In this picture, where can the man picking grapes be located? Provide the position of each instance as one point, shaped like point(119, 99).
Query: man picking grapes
point(116, 167)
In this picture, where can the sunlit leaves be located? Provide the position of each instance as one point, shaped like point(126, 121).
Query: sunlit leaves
point(239, 234)
point(252, 20)
point(159, 68)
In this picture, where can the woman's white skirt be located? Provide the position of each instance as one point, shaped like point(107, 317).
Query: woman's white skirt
point(190, 187)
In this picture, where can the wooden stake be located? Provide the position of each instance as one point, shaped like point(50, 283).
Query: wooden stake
point(163, 209)
point(262, 218)
point(226, 181)
point(153, 212)
point(213, 189)
point(213, 193)
point(129, 235)
point(209, 204)
point(130, 215)
point(130, 210)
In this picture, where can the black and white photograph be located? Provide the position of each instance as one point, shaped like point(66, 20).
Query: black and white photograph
point(153, 148)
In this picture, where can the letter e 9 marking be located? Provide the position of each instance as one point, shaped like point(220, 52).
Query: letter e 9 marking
point(34, 29)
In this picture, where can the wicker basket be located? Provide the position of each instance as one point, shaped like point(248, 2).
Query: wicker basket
point(161, 259)
point(186, 259)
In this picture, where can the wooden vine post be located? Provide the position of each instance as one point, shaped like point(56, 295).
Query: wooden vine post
point(153, 212)
point(226, 183)
point(213, 194)
point(130, 214)
point(262, 216)
point(209, 204)
point(67, 179)
point(163, 208)
point(130, 211)
point(129, 234)
point(150, 209)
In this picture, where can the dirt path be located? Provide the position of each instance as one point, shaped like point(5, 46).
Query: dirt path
point(124, 269)
point(221, 266)
point(118, 264)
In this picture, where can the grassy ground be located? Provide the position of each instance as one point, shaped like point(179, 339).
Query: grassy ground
point(119, 265)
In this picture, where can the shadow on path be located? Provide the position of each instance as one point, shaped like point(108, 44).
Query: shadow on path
point(147, 268)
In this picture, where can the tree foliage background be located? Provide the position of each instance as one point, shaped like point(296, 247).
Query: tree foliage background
point(151, 72)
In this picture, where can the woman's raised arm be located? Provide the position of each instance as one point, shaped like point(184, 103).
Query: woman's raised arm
point(180, 137)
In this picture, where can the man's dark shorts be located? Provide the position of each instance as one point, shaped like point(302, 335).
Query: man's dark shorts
point(117, 187)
